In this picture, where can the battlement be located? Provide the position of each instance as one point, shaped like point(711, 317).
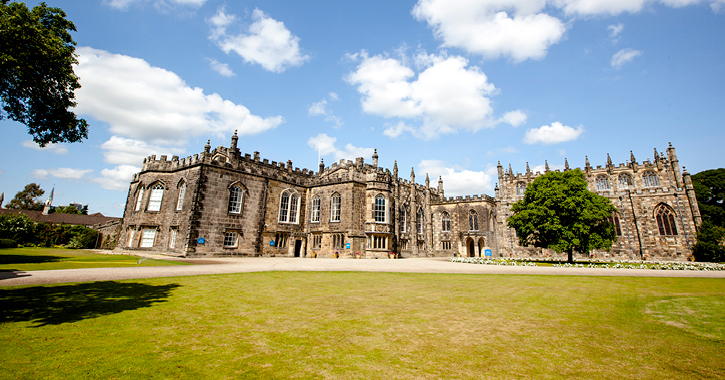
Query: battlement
point(466, 199)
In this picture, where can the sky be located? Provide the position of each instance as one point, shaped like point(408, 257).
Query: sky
point(444, 87)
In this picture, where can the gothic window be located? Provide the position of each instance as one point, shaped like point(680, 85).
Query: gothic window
point(338, 241)
point(614, 219)
point(236, 194)
point(315, 211)
point(520, 188)
point(665, 220)
point(380, 209)
point(182, 192)
point(650, 179)
point(446, 221)
point(147, 237)
point(602, 183)
point(446, 245)
point(472, 221)
point(288, 207)
point(402, 219)
point(419, 220)
point(230, 239)
point(131, 235)
point(280, 240)
point(335, 208)
point(139, 197)
point(172, 237)
point(316, 241)
point(625, 181)
point(157, 194)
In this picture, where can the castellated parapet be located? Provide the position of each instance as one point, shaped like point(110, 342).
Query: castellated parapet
point(221, 202)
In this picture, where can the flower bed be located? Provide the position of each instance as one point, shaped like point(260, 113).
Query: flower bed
point(591, 263)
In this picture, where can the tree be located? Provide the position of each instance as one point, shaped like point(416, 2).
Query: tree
point(66, 210)
point(559, 212)
point(710, 192)
point(710, 244)
point(26, 199)
point(37, 82)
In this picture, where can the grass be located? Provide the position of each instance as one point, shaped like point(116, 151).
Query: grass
point(338, 325)
point(28, 259)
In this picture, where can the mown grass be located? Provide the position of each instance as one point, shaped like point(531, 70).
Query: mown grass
point(28, 259)
point(337, 325)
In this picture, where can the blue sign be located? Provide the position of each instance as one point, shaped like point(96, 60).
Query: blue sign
point(487, 252)
point(271, 242)
point(201, 241)
point(347, 245)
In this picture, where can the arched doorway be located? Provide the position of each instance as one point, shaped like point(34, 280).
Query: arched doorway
point(481, 245)
point(470, 247)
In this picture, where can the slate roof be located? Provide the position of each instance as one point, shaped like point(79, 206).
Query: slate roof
point(74, 219)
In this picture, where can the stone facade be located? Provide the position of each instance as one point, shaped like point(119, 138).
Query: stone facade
point(223, 203)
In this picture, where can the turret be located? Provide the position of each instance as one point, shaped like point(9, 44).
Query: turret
point(322, 165)
point(500, 171)
point(427, 181)
point(235, 139)
point(395, 170)
point(207, 147)
point(511, 172)
point(672, 156)
point(528, 171)
point(440, 186)
point(375, 158)
point(587, 166)
point(412, 176)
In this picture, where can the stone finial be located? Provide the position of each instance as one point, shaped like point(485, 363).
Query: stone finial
point(546, 166)
point(427, 180)
point(395, 169)
point(235, 138)
point(511, 172)
point(609, 160)
point(412, 175)
point(657, 156)
point(375, 158)
point(322, 165)
point(566, 164)
point(631, 157)
point(528, 171)
point(207, 147)
point(586, 162)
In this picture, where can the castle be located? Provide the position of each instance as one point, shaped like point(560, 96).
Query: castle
point(223, 203)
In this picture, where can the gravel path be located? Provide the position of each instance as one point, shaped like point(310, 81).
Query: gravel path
point(262, 264)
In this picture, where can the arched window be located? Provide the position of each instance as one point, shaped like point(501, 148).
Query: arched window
point(602, 183)
point(472, 221)
point(446, 222)
point(335, 207)
point(614, 219)
point(157, 194)
point(288, 207)
point(403, 219)
point(625, 181)
point(665, 220)
point(520, 188)
point(419, 220)
point(236, 195)
point(315, 211)
point(182, 192)
point(139, 197)
point(650, 179)
point(380, 209)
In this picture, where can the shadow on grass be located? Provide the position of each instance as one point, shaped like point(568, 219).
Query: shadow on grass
point(28, 259)
point(54, 305)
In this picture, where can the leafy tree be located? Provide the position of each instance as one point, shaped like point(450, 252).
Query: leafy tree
point(37, 82)
point(26, 199)
point(17, 227)
point(710, 244)
point(559, 212)
point(66, 210)
point(710, 192)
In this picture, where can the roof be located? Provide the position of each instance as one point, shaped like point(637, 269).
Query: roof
point(74, 219)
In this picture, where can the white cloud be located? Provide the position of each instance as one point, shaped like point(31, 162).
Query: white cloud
point(623, 56)
point(160, 4)
point(318, 108)
point(334, 96)
point(514, 118)
point(55, 148)
point(154, 105)
point(336, 120)
point(62, 173)
point(458, 181)
point(117, 178)
point(222, 68)
point(326, 146)
point(119, 150)
point(542, 168)
point(447, 95)
point(615, 31)
point(267, 42)
point(398, 129)
point(556, 133)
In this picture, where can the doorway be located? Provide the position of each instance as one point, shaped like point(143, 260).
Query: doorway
point(471, 248)
point(298, 247)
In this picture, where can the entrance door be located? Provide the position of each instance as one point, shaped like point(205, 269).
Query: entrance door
point(298, 247)
point(471, 248)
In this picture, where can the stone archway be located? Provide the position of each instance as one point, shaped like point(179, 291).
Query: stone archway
point(470, 248)
point(481, 245)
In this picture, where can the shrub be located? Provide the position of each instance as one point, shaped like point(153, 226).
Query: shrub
point(710, 244)
point(8, 243)
point(17, 227)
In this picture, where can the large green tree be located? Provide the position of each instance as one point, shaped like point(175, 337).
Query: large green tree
point(710, 244)
point(27, 199)
point(559, 212)
point(37, 81)
point(710, 192)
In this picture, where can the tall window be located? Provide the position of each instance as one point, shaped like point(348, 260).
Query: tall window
point(147, 237)
point(446, 219)
point(472, 221)
point(520, 188)
point(131, 235)
point(172, 237)
point(650, 179)
point(665, 220)
point(288, 207)
point(602, 183)
point(614, 219)
point(316, 241)
point(625, 181)
point(280, 240)
point(139, 197)
point(157, 194)
point(335, 208)
point(378, 242)
point(182, 192)
point(419, 220)
point(230, 239)
point(236, 195)
point(315, 211)
point(338, 241)
point(403, 217)
point(380, 209)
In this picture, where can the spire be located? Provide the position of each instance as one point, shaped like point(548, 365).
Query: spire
point(207, 147)
point(427, 180)
point(235, 138)
point(566, 164)
point(412, 175)
point(631, 157)
point(511, 172)
point(657, 156)
point(528, 171)
point(49, 202)
point(546, 166)
point(586, 162)
point(375, 159)
point(609, 160)
point(395, 170)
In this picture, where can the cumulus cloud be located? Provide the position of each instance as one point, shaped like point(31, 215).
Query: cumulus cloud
point(117, 178)
point(159, 4)
point(62, 173)
point(623, 56)
point(267, 41)
point(555, 133)
point(334, 96)
point(222, 68)
point(458, 181)
point(514, 118)
point(119, 150)
point(55, 148)
point(446, 95)
point(154, 105)
point(615, 31)
point(320, 109)
point(326, 146)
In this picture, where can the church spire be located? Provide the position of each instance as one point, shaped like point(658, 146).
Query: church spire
point(546, 166)
point(631, 157)
point(49, 202)
point(412, 175)
point(566, 164)
point(395, 170)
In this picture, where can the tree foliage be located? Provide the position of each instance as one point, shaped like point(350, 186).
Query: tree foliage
point(710, 244)
point(26, 199)
point(37, 82)
point(559, 212)
point(66, 210)
point(710, 192)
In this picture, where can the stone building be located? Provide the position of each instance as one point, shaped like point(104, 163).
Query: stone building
point(225, 203)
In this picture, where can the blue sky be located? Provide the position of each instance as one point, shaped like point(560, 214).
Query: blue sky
point(448, 87)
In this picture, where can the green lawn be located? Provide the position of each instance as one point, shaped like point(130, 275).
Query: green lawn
point(338, 325)
point(27, 259)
